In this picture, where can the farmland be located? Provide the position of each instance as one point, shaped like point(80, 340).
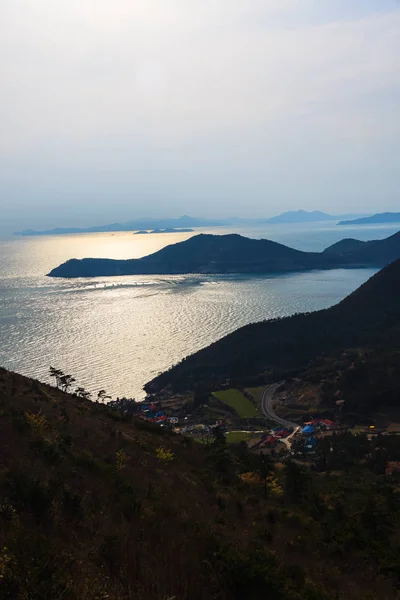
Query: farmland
point(235, 399)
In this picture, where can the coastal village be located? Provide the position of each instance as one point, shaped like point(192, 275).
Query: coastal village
point(267, 423)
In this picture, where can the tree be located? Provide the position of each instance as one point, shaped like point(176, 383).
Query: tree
point(296, 482)
point(82, 393)
point(219, 438)
point(57, 374)
point(102, 396)
point(66, 381)
point(263, 467)
point(379, 460)
point(219, 456)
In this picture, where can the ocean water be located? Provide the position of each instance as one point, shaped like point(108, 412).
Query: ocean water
point(117, 333)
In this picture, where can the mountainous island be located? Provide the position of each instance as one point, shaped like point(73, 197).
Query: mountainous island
point(387, 217)
point(233, 253)
point(368, 318)
point(303, 216)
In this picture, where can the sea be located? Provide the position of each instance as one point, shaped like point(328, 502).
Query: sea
point(117, 333)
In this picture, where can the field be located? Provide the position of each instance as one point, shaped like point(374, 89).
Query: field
point(234, 437)
point(244, 408)
point(256, 393)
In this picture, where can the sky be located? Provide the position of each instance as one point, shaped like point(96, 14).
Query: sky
point(116, 109)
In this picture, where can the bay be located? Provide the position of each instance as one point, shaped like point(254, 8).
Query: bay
point(117, 333)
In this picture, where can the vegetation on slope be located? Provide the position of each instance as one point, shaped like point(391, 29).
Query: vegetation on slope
point(367, 380)
point(94, 506)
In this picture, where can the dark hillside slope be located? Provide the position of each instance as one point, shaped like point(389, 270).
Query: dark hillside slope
point(379, 252)
point(96, 506)
point(234, 253)
point(344, 246)
point(369, 316)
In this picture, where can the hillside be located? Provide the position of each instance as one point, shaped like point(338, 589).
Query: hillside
point(232, 253)
point(95, 505)
point(345, 246)
point(368, 317)
point(386, 217)
point(375, 251)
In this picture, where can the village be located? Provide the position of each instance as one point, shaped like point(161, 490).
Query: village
point(245, 417)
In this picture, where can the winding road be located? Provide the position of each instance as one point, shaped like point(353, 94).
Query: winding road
point(268, 410)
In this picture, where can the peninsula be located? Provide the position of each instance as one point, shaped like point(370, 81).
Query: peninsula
point(387, 217)
point(233, 253)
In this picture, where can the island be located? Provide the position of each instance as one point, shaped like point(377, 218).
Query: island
point(167, 230)
point(142, 225)
point(303, 216)
point(387, 217)
point(186, 222)
point(233, 253)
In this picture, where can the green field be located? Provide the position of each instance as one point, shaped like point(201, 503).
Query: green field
point(234, 437)
point(256, 393)
point(244, 408)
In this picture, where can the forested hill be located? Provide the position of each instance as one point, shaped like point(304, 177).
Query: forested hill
point(368, 317)
point(234, 253)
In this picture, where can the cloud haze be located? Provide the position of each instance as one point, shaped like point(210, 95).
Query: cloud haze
point(111, 110)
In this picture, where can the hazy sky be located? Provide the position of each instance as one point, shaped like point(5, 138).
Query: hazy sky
point(113, 109)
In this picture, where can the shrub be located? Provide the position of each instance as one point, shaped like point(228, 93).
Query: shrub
point(165, 456)
point(121, 459)
point(28, 493)
point(251, 478)
point(6, 563)
point(49, 451)
point(36, 421)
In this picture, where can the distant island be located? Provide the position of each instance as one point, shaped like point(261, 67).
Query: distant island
point(143, 225)
point(167, 230)
point(186, 223)
point(303, 216)
point(233, 253)
point(387, 217)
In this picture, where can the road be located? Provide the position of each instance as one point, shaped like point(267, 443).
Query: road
point(268, 410)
